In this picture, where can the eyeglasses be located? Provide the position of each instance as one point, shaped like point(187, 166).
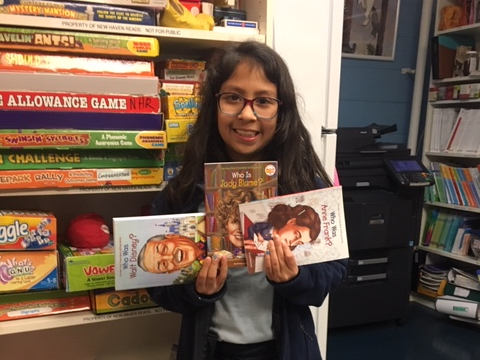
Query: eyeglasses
point(265, 108)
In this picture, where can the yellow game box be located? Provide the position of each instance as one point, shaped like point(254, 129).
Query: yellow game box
point(105, 301)
point(180, 106)
point(27, 230)
point(178, 131)
point(28, 270)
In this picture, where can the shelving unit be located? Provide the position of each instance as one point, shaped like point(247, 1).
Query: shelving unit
point(141, 334)
point(460, 159)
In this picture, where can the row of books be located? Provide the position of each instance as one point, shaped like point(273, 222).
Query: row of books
point(452, 231)
point(455, 131)
point(455, 185)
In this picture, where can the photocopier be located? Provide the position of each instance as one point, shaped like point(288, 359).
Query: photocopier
point(383, 187)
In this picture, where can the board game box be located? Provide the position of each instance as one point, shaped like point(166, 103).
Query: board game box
point(312, 223)
point(82, 139)
point(78, 159)
point(27, 230)
point(158, 250)
point(76, 11)
point(59, 101)
point(77, 42)
point(22, 61)
point(226, 186)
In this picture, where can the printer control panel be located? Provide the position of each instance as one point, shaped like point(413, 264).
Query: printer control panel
point(408, 171)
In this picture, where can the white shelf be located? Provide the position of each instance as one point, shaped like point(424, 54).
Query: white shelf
point(469, 30)
point(69, 319)
point(453, 206)
point(452, 155)
point(455, 103)
point(175, 37)
point(465, 259)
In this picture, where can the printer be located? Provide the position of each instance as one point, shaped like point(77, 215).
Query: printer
point(382, 215)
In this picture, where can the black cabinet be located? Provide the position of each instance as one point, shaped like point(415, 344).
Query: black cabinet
point(383, 221)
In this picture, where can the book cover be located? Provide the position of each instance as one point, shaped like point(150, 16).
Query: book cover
point(57, 101)
point(456, 306)
point(312, 223)
point(439, 182)
point(158, 250)
point(226, 186)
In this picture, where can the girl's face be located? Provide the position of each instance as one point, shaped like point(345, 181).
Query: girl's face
point(293, 234)
point(244, 135)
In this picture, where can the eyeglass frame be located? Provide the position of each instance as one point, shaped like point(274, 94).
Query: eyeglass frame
point(250, 103)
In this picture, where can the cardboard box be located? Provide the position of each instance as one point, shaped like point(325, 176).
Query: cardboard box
point(180, 107)
point(75, 178)
point(27, 230)
point(40, 303)
point(179, 130)
point(77, 42)
point(28, 270)
point(87, 269)
point(104, 301)
point(82, 139)
point(74, 11)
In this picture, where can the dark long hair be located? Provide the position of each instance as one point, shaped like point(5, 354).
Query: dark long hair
point(291, 145)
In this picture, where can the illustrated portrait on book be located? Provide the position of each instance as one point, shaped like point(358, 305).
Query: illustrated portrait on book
point(169, 253)
point(228, 219)
point(310, 223)
point(294, 225)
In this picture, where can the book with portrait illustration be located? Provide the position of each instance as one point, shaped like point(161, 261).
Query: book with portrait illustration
point(312, 223)
point(226, 186)
point(158, 250)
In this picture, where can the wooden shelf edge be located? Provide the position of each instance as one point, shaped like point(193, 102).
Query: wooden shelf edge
point(120, 28)
point(453, 206)
point(70, 319)
point(422, 300)
point(76, 191)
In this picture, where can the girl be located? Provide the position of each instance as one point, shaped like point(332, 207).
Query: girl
point(248, 113)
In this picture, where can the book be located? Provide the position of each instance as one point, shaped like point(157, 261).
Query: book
point(153, 4)
point(81, 139)
point(158, 250)
point(68, 83)
point(312, 223)
point(31, 119)
point(31, 39)
point(439, 182)
point(226, 186)
point(60, 101)
point(54, 63)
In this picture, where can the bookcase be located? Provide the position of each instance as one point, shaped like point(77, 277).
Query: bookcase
point(142, 334)
point(451, 151)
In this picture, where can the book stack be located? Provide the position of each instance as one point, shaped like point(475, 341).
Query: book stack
point(81, 109)
point(430, 279)
point(460, 296)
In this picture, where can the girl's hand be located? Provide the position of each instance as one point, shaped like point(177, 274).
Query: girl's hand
point(280, 264)
point(211, 276)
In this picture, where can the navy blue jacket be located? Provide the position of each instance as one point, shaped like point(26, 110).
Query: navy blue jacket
point(293, 325)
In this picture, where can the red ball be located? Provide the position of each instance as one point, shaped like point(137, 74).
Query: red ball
point(88, 231)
